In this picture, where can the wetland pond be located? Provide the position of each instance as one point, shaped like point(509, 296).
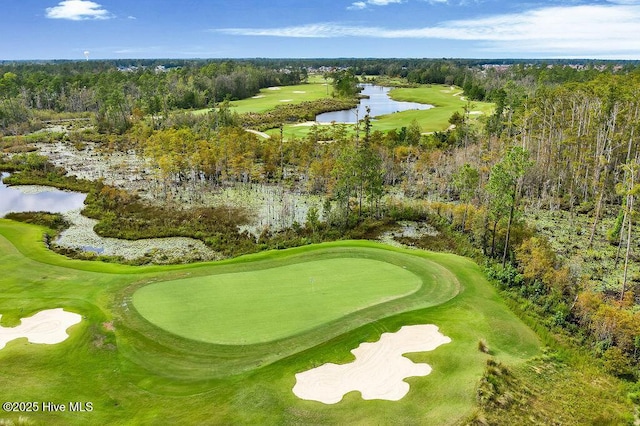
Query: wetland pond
point(80, 234)
point(29, 198)
point(377, 98)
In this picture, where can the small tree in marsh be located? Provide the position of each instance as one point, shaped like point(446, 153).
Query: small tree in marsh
point(505, 185)
point(346, 184)
point(313, 218)
point(465, 182)
point(629, 188)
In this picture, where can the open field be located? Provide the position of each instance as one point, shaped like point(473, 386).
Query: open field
point(134, 372)
point(377, 331)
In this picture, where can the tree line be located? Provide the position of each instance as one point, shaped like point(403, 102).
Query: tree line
point(113, 95)
point(114, 90)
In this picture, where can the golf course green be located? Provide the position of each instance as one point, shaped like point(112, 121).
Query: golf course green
point(265, 305)
point(221, 342)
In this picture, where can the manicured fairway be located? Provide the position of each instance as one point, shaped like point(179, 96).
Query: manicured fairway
point(271, 97)
point(265, 305)
point(445, 99)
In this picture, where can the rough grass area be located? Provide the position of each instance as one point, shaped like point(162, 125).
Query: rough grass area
point(269, 304)
point(135, 373)
point(550, 389)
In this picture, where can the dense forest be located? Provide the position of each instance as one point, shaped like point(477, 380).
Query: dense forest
point(542, 192)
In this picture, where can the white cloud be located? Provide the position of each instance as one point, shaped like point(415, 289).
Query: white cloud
point(578, 30)
point(383, 2)
point(320, 30)
point(78, 10)
point(359, 5)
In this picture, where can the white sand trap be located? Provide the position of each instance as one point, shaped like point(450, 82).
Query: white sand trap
point(475, 112)
point(286, 100)
point(299, 91)
point(311, 123)
point(261, 134)
point(378, 371)
point(273, 88)
point(48, 327)
point(257, 97)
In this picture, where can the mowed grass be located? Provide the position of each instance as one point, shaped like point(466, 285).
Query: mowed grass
point(136, 373)
point(445, 99)
point(270, 304)
point(271, 97)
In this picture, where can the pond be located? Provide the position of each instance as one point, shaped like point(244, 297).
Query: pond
point(377, 99)
point(37, 198)
point(80, 234)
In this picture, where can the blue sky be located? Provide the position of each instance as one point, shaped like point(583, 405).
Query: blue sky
point(69, 29)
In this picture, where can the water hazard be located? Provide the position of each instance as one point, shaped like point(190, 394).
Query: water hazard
point(37, 198)
point(379, 102)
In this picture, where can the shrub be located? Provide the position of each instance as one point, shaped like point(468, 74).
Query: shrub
point(498, 387)
point(52, 221)
point(615, 362)
point(482, 346)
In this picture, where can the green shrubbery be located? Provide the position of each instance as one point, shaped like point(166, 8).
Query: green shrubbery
point(53, 221)
point(304, 111)
point(36, 169)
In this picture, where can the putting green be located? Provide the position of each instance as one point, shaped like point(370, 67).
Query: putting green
point(269, 304)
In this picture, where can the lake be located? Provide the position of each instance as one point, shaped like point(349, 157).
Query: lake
point(379, 102)
point(37, 198)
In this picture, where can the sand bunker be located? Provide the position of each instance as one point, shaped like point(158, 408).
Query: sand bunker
point(261, 134)
point(286, 100)
point(311, 123)
point(273, 88)
point(48, 327)
point(257, 97)
point(378, 371)
point(299, 91)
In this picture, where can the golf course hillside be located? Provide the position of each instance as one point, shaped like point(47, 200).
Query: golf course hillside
point(222, 342)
